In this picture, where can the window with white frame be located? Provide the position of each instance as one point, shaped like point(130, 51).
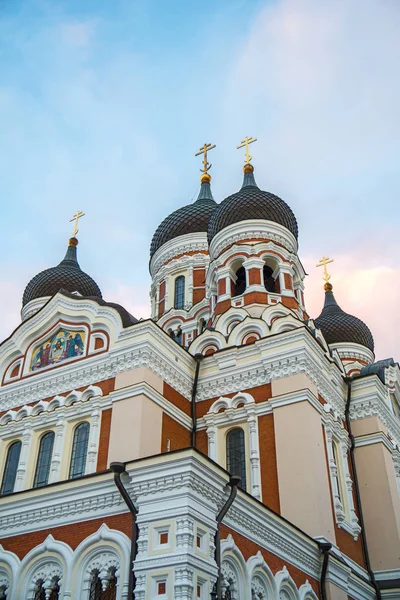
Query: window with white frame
point(11, 467)
point(44, 459)
point(236, 454)
point(234, 450)
point(342, 486)
point(79, 450)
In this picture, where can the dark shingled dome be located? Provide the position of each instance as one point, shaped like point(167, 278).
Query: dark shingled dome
point(340, 327)
point(252, 203)
point(67, 276)
point(188, 219)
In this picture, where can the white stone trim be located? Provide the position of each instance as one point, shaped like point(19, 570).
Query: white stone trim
point(370, 398)
point(252, 229)
point(341, 482)
point(102, 550)
point(354, 351)
point(247, 416)
point(373, 438)
point(190, 242)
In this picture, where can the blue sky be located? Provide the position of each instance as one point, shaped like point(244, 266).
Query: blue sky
point(104, 104)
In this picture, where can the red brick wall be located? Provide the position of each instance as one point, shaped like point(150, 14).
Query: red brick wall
point(249, 548)
point(256, 297)
point(254, 276)
point(221, 287)
point(202, 441)
point(70, 534)
point(176, 398)
point(199, 277)
point(104, 439)
point(178, 435)
point(289, 302)
point(268, 466)
point(288, 281)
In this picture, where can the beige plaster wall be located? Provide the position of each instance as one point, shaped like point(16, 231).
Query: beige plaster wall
point(293, 383)
point(135, 429)
point(367, 425)
point(139, 375)
point(302, 469)
point(380, 505)
point(335, 593)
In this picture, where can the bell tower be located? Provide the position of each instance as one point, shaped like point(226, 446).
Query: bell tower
point(253, 247)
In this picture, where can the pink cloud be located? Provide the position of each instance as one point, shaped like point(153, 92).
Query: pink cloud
point(371, 294)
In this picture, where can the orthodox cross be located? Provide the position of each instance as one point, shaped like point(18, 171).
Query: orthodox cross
point(76, 218)
point(322, 263)
point(206, 148)
point(245, 144)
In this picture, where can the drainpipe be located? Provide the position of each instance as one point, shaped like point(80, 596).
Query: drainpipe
point(197, 358)
point(364, 543)
point(233, 483)
point(325, 548)
point(118, 468)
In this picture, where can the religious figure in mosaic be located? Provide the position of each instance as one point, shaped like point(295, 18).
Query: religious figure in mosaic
point(64, 345)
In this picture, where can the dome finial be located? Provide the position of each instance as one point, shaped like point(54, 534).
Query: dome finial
point(326, 277)
point(206, 177)
point(75, 219)
point(248, 168)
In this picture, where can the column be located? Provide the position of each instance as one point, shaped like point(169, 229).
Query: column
point(23, 459)
point(93, 446)
point(254, 456)
point(254, 274)
point(57, 451)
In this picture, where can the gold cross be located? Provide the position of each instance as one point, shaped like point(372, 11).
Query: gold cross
point(322, 263)
point(206, 148)
point(245, 144)
point(76, 218)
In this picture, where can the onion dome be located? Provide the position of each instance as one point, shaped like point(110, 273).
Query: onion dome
point(67, 276)
point(251, 203)
point(340, 327)
point(192, 218)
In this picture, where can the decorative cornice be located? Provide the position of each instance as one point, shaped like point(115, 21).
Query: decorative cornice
point(271, 358)
point(373, 438)
point(369, 398)
point(252, 229)
point(143, 344)
point(191, 242)
point(63, 504)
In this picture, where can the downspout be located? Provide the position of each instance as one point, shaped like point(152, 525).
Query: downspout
point(325, 549)
point(118, 468)
point(234, 481)
point(197, 358)
point(357, 494)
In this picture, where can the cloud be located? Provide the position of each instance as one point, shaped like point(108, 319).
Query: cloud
point(314, 81)
point(371, 294)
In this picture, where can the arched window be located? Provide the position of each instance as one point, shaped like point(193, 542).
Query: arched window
point(96, 587)
point(10, 470)
point(44, 460)
point(240, 284)
point(79, 450)
point(179, 298)
point(269, 281)
point(338, 472)
point(40, 591)
point(236, 454)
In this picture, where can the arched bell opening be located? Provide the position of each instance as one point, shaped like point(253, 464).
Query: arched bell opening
point(271, 275)
point(238, 278)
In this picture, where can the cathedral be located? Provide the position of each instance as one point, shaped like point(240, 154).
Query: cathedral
point(229, 447)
